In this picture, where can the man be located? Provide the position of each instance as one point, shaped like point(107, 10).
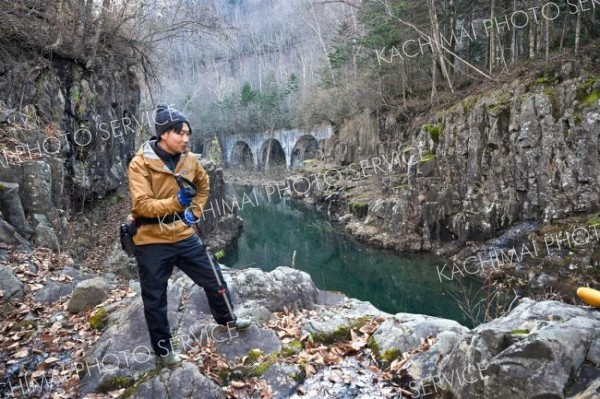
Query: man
point(164, 217)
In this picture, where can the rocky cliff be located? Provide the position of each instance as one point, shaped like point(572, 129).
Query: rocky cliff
point(65, 135)
point(525, 151)
point(68, 148)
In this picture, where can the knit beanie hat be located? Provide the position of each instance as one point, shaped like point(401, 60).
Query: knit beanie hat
point(166, 118)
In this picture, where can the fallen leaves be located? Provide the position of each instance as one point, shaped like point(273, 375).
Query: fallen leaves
point(22, 353)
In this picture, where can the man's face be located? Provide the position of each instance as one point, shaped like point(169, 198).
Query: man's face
point(174, 142)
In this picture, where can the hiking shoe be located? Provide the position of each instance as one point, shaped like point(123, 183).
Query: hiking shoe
point(170, 361)
point(241, 324)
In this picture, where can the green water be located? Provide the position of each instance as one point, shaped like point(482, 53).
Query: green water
point(392, 282)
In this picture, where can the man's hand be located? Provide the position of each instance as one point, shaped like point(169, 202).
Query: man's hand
point(188, 217)
point(185, 196)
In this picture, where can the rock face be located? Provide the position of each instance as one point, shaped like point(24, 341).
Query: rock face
point(541, 349)
point(221, 229)
point(526, 151)
point(71, 128)
point(254, 292)
point(184, 382)
point(538, 350)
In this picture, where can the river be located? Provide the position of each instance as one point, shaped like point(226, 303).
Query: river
point(393, 282)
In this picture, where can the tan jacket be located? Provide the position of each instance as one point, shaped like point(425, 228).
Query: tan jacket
point(153, 190)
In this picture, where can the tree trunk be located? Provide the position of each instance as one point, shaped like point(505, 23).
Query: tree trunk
point(577, 31)
point(317, 29)
point(451, 28)
point(531, 40)
point(562, 34)
point(513, 40)
point(403, 79)
point(87, 23)
point(547, 39)
point(435, 44)
point(492, 36)
point(101, 22)
point(433, 80)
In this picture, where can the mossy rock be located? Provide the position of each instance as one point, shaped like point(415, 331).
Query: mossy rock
point(220, 254)
point(288, 352)
point(435, 131)
point(593, 219)
point(257, 364)
point(112, 384)
point(358, 209)
point(253, 355)
point(427, 156)
point(75, 95)
point(372, 344)
point(99, 320)
point(469, 103)
point(263, 367)
point(546, 80)
point(587, 95)
point(388, 356)
point(292, 348)
point(301, 375)
point(296, 344)
point(342, 333)
point(498, 109)
point(592, 98)
point(132, 389)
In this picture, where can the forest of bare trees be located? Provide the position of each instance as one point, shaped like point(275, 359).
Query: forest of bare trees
point(90, 32)
point(299, 63)
point(244, 66)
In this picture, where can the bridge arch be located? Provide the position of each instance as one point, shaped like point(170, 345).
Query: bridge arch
point(272, 155)
point(307, 147)
point(241, 156)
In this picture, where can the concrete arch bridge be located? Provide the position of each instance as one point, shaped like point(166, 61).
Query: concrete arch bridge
point(277, 150)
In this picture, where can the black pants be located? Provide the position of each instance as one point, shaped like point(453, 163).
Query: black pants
point(155, 264)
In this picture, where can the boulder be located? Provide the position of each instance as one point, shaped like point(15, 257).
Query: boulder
point(538, 350)
point(9, 235)
point(45, 236)
point(55, 290)
point(10, 284)
point(88, 294)
point(404, 331)
point(283, 286)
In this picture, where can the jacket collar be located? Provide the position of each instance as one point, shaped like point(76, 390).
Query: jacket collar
point(153, 160)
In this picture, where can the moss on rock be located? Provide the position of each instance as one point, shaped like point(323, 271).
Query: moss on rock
point(99, 320)
point(435, 131)
point(358, 209)
point(342, 333)
point(112, 384)
point(587, 95)
point(389, 355)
